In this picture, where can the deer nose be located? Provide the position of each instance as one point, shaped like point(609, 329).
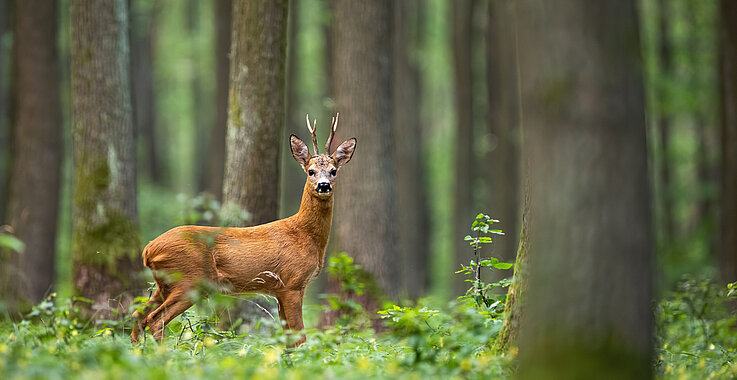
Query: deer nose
point(323, 187)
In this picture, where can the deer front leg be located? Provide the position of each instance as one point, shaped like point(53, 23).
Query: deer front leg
point(291, 310)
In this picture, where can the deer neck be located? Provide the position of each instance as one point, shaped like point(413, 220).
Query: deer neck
point(315, 217)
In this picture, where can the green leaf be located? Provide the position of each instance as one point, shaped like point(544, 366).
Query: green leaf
point(484, 239)
point(503, 265)
point(12, 242)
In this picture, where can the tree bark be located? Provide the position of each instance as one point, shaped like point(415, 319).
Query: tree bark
point(589, 311)
point(365, 224)
point(665, 56)
point(728, 89)
point(411, 197)
point(463, 212)
point(143, 34)
point(36, 152)
point(256, 108)
point(514, 306)
point(216, 157)
point(105, 216)
point(4, 124)
point(503, 126)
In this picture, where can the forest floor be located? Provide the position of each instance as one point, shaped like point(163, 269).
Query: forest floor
point(696, 339)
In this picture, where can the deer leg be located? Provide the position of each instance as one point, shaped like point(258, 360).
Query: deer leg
point(282, 316)
point(139, 315)
point(177, 308)
point(293, 313)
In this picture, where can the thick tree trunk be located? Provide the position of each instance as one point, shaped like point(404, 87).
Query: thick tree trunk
point(503, 163)
point(514, 307)
point(143, 34)
point(365, 218)
point(728, 80)
point(256, 108)
point(665, 56)
point(411, 197)
point(216, 157)
point(106, 242)
point(589, 306)
point(36, 152)
point(463, 212)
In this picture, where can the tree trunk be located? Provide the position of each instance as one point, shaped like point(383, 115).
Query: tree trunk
point(463, 211)
point(589, 311)
point(503, 162)
point(256, 108)
point(728, 73)
point(665, 56)
point(36, 152)
point(4, 124)
point(514, 307)
point(365, 224)
point(143, 34)
point(106, 242)
point(411, 197)
point(216, 157)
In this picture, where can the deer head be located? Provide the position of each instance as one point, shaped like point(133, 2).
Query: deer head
point(321, 169)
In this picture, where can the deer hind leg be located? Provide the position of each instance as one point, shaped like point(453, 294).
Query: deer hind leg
point(291, 303)
point(176, 308)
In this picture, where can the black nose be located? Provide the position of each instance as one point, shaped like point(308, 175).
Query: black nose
point(323, 187)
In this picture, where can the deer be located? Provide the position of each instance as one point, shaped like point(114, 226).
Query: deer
point(279, 258)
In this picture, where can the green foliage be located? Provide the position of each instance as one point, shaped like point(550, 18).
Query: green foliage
point(354, 282)
point(480, 292)
point(696, 335)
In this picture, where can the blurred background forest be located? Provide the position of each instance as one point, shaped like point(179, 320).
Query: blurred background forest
point(454, 144)
point(432, 89)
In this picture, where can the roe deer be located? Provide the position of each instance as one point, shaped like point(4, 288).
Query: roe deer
point(278, 258)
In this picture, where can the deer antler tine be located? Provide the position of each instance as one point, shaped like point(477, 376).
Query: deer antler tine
point(312, 133)
point(333, 127)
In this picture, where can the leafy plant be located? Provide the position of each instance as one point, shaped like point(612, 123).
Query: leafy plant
point(480, 292)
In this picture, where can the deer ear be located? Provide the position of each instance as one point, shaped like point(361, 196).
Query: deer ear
point(344, 153)
point(299, 151)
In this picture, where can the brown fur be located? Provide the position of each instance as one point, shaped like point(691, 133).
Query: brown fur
point(278, 258)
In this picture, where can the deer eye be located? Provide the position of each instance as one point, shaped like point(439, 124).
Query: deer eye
point(333, 172)
point(311, 172)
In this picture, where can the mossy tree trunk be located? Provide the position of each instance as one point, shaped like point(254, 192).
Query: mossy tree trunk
point(508, 337)
point(256, 108)
point(365, 224)
point(728, 73)
point(105, 219)
point(36, 152)
point(589, 307)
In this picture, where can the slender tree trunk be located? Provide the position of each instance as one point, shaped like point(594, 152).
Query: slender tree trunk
point(463, 212)
point(728, 81)
point(4, 124)
point(36, 152)
point(589, 307)
point(106, 242)
point(216, 157)
point(503, 162)
point(665, 56)
point(292, 176)
point(256, 108)
point(199, 103)
point(365, 224)
point(143, 34)
point(411, 197)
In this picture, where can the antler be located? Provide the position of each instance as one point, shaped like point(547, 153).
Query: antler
point(333, 127)
point(312, 132)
